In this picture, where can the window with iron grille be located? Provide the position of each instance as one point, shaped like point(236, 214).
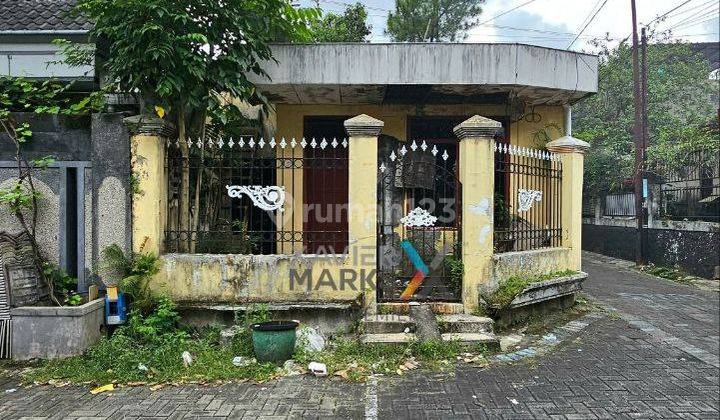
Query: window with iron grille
point(528, 198)
point(255, 196)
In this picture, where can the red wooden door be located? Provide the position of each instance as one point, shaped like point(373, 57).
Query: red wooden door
point(325, 186)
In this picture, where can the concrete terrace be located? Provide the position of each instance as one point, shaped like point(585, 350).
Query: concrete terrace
point(357, 73)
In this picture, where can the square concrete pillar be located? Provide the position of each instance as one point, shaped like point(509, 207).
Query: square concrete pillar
point(363, 132)
point(572, 152)
point(477, 177)
point(148, 136)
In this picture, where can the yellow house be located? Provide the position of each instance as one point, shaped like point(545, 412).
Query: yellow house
point(381, 170)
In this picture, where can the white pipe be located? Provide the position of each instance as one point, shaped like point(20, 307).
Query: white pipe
point(568, 120)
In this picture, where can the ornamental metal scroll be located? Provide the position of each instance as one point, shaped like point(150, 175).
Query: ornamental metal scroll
point(267, 198)
point(419, 217)
point(527, 197)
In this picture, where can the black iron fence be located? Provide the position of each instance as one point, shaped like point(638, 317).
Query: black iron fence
point(257, 196)
point(528, 199)
point(690, 200)
point(690, 190)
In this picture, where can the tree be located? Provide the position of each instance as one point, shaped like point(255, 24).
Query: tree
point(187, 57)
point(351, 26)
point(680, 110)
point(432, 20)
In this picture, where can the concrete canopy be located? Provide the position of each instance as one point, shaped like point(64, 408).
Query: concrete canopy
point(426, 73)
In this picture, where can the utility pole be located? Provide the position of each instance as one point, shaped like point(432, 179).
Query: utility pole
point(638, 137)
point(647, 193)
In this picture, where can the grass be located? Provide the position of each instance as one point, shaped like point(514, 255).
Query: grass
point(119, 360)
point(355, 361)
point(508, 290)
point(669, 273)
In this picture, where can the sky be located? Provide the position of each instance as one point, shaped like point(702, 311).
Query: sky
point(555, 23)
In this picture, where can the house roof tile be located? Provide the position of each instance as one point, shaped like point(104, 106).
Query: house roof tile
point(40, 15)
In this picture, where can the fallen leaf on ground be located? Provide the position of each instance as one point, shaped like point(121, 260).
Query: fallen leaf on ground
point(138, 383)
point(156, 387)
point(104, 388)
point(57, 383)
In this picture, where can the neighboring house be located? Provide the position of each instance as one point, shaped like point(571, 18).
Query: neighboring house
point(684, 218)
point(27, 29)
point(418, 160)
point(70, 186)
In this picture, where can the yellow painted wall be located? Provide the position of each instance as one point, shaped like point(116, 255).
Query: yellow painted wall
point(260, 278)
point(234, 278)
point(150, 205)
point(287, 121)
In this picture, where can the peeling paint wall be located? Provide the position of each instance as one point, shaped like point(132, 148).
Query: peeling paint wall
point(529, 263)
point(196, 278)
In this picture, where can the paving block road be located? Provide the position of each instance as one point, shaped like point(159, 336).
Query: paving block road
point(655, 355)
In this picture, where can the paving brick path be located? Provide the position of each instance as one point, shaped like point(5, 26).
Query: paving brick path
point(681, 311)
point(657, 359)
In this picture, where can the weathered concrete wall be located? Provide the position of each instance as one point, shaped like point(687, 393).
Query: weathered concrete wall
point(55, 332)
point(111, 193)
point(47, 182)
point(696, 252)
point(687, 225)
point(360, 73)
point(67, 139)
point(328, 318)
point(97, 149)
point(529, 263)
point(195, 278)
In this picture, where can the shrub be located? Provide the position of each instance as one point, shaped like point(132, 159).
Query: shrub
point(135, 271)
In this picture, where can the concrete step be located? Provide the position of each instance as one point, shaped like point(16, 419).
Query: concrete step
point(488, 339)
point(464, 323)
point(401, 308)
point(389, 323)
point(394, 338)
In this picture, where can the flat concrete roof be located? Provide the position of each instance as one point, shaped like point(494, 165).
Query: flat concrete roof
point(361, 73)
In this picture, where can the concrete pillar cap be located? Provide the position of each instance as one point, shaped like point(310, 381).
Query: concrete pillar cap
point(568, 144)
point(363, 126)
point(477, 127)
point(149, 125)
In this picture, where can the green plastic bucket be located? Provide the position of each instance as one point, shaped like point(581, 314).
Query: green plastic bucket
point(274, 341)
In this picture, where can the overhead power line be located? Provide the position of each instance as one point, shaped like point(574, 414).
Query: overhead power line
point(699, 21)
point(587, 24)
point(505, 12)
point(347, 4)
point(702, 13)
point(695, 19)
point(670, 11)
point(686, 10)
